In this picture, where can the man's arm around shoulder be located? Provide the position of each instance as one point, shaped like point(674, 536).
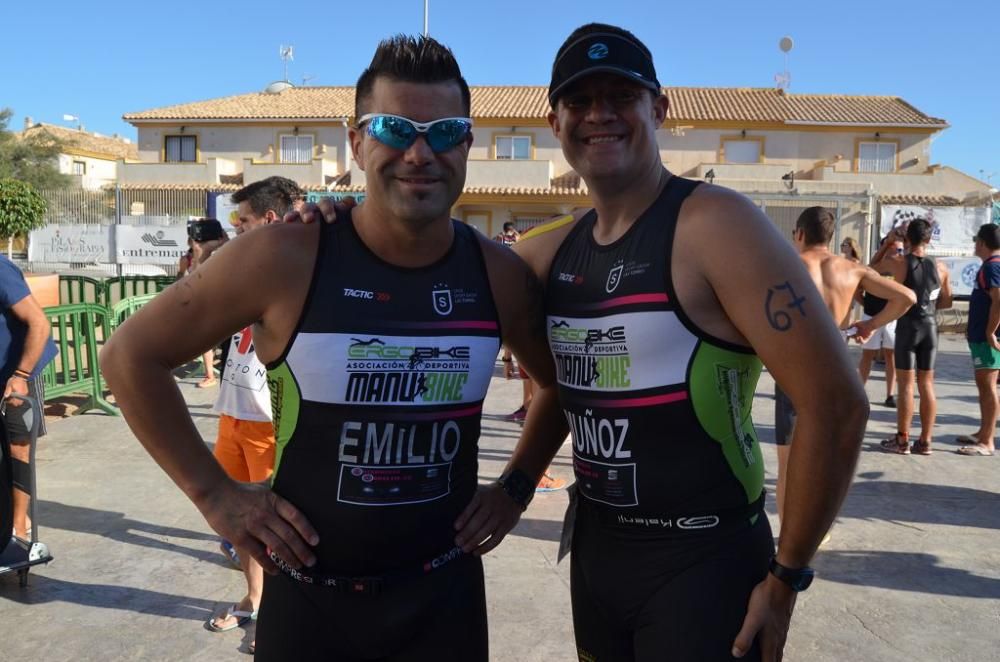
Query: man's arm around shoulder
point(520, 304)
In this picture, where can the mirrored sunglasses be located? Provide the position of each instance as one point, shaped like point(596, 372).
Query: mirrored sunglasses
point(401, 132)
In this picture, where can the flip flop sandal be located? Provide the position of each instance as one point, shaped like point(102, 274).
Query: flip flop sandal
point(242, 618)
point(974, 451)
point(895, 444)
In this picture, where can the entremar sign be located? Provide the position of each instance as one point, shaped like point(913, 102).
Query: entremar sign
point(150, 244)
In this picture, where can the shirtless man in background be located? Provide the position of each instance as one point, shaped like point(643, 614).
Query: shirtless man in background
point(837, 279)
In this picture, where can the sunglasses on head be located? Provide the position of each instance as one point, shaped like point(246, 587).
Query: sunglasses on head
point(400, 132)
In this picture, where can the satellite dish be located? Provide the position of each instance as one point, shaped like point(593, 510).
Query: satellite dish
point(278, 86)
point(786, 44)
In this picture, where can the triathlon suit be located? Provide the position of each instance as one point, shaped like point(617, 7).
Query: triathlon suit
point(669, 535)
point(377, 402)
point(916, 330)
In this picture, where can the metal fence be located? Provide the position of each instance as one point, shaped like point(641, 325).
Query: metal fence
point(132, 206)
point(108, 206)
point(851, 211)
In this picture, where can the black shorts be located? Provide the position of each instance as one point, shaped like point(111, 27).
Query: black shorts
point(18, 419)
point(784, 417)
point(916, 343)
point(439, 616)
point(641, 600)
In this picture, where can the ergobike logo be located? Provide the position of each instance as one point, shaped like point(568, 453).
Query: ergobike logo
point(384, 373)
point(375, 348)
point(561, 331)
point(593, 358)
point(597, 51)
point(366, 294)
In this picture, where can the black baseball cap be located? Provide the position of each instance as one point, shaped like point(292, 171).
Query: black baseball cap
point(602, 52)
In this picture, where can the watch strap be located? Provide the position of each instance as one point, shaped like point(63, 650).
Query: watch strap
point(518, 486)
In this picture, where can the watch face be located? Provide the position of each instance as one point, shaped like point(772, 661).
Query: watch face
point(798, 580)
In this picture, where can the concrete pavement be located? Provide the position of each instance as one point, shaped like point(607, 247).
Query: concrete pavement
point(911, 572)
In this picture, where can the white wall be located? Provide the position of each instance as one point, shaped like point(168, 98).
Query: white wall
point(238, 142)
point(98, 171)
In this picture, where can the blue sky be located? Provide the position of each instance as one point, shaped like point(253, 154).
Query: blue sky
point(99, 60)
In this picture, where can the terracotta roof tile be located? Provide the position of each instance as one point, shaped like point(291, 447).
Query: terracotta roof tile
point(293, 103)
point(529, 102)
point(113, 148)
point(920, 200)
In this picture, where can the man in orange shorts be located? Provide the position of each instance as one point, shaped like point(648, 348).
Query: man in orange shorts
point(245, 445)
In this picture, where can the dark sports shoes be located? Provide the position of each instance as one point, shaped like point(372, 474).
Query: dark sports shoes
point(890, 402)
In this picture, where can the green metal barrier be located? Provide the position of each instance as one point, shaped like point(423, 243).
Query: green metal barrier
point(124, 287)
point(122, 310)
point(77, 329)
point(80, 289)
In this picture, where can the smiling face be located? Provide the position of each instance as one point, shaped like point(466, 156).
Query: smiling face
point(414, 185)
point(607, 127)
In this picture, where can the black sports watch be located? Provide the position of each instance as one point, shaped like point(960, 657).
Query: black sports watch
point(798, 579)
point(518, 487)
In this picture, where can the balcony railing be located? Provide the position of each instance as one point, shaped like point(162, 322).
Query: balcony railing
point(508, 174)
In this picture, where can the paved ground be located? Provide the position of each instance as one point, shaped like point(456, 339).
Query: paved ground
point(911, 573)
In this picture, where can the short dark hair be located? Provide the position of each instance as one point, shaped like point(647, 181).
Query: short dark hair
point(918, 232)
point(274, 193)
point(509, 225)
point(410, 60)
point(989, 234)
point(817, 225)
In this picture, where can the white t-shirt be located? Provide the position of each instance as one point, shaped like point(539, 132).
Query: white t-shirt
point(243, 393)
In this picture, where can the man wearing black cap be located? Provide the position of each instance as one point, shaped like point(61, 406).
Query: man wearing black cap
point(656, 334)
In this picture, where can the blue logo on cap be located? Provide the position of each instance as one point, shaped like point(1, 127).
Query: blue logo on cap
point(597, 52)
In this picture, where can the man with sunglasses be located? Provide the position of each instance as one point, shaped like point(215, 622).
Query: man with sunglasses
point(379, 334)
point(672, 551)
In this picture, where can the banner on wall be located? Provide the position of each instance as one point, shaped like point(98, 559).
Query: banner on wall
point(952, 228)
point(221, 206)
point(150, 244)
point(89, 244)
point(962, 273)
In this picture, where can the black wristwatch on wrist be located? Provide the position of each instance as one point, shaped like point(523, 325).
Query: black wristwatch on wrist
point(798, 579)
point(518, 487)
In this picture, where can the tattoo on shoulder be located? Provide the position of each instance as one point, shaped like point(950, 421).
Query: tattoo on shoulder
point(776, 306)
